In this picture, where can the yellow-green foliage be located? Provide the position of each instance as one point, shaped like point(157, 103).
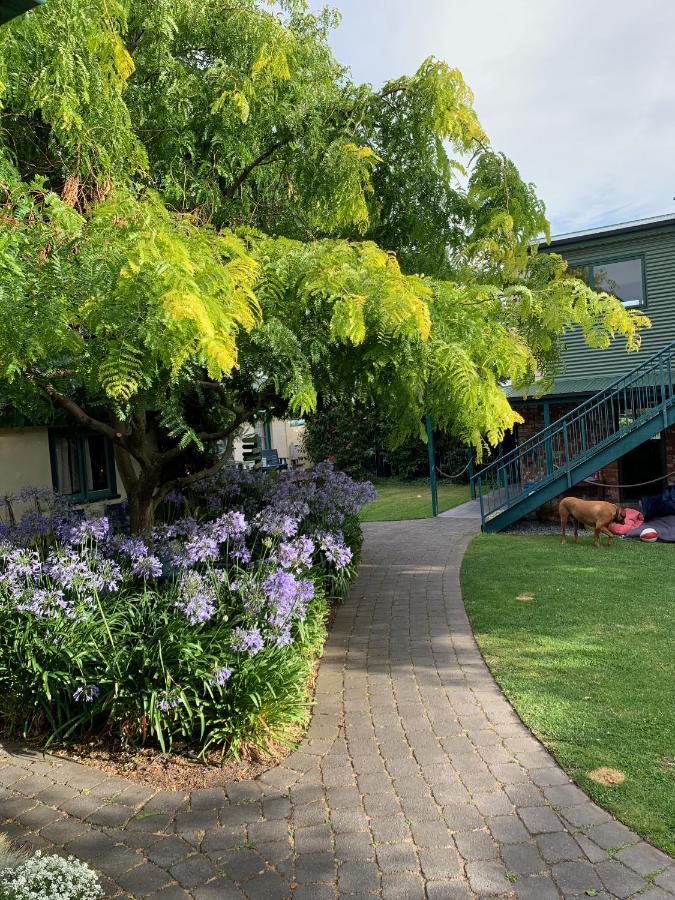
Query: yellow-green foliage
point(181, 187)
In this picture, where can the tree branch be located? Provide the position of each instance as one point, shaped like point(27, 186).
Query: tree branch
point(186, 480)
point(80, 415)
point(234, 186)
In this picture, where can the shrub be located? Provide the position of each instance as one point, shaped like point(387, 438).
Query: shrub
point(207, 634)
point(46, 877)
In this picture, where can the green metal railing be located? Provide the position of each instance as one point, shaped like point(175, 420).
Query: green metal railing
point(604, 419)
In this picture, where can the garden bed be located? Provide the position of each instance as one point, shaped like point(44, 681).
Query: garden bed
point(197, 642)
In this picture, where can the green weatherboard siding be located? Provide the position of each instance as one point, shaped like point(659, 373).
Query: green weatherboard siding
point(9, 9)
point(657, 249)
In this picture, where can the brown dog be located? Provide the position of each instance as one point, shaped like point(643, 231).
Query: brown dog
point(595, 514)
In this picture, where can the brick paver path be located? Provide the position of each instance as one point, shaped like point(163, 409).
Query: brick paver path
point(416, 778)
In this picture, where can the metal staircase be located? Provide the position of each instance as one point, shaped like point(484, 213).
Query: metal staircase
point(601, 429)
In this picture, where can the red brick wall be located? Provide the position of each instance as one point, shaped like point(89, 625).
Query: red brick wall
point(610, 476)
point(670, 452)
point(534, 422)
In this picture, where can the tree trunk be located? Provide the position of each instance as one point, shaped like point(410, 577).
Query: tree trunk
point(140, 484)
point(141, 515)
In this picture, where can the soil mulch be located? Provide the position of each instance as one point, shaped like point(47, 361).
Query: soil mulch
point(172, 771)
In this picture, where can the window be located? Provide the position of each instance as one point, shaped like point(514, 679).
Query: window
point(83, 466)
point(624, 278)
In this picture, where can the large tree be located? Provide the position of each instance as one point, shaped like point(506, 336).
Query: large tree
point(204, 219)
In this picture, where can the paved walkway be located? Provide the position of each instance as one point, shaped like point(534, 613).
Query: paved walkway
point(416, 778)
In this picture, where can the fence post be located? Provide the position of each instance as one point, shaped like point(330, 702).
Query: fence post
point(432, 465)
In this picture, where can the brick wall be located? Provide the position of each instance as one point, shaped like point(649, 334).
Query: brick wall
point(670, 452)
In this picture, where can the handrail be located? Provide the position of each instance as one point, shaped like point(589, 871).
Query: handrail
point(611, 413)
point(611, 389)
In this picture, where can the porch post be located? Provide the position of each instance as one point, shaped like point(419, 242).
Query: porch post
point(432, 465)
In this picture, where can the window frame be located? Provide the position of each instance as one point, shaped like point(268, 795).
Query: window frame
point(80, 438)
point(590, 263)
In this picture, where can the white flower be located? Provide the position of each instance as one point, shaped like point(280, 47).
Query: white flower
point(50, 878)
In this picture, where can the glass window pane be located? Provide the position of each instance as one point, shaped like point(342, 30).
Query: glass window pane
point(96, 464)
point(67, 468)
point(623, 279)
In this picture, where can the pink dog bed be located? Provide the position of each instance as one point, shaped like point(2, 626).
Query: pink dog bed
point(634, 519)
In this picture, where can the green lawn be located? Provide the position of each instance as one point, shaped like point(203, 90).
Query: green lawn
point(589, 661)
point(411, 500)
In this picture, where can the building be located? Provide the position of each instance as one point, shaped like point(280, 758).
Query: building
point(81, 465)
point(607, 423)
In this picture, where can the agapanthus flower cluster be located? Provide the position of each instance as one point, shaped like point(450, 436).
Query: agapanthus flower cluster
point(58, 585)
point(90, 530)
point(222, 676)
point(295, 554)
point(335, 548)
point(248, 641)
point(287, 599)
point(248, 546)
point(196, 597)
point(168, 703)
point(145, 567)
point(87, 693)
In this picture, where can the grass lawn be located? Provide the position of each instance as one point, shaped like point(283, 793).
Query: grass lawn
point(411, 500)
point(588, 661)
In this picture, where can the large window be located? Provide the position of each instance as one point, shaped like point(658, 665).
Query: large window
point(624, 278)
point(83, 466)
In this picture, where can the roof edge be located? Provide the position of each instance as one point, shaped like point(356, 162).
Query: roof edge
point(648, 224)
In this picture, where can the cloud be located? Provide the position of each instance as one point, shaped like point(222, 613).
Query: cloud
point(581, 95)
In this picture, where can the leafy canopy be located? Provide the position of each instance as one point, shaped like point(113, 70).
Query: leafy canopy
point(203, 217)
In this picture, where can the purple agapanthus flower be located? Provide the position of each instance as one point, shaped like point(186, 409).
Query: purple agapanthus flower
point(47, 603)
point(287, 598)
point(196, 598)
point(90, 530)
point(335, 549)
point(222, 676)
point(88, 693)
point(201, 548)
point(248, 641)
point(242, 554)
point(230, 526)
point(133, 547)
point(146, 567)
point(168, 703)
point(296, 553)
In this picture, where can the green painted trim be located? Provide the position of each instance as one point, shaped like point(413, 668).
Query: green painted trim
point(471, 472)
point(562, 245)
point(80, 438)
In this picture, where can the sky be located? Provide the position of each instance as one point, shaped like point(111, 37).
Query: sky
point(579, 93)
